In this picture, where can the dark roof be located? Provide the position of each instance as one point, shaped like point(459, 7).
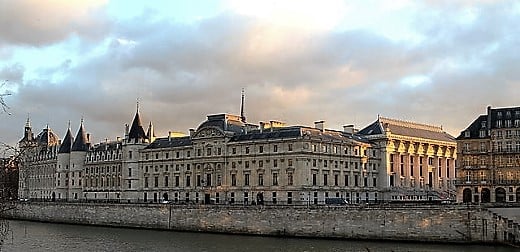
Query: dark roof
point(66, 145)
point(114, 145)
point(224, 122)
point(169, 142)
point(276, 133)
point(490, 121)
point(404, 128)
point(474, 128)
point(47, 137)
point(81, 141)
point(136, 130)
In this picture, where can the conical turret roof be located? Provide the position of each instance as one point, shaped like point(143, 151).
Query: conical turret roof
point(81, 142)
point(66, 145)
point(136, 130)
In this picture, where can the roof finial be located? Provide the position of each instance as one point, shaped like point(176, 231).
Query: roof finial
point(28, 122)
point(242, 116)
point(137, 104)
point(82, 119)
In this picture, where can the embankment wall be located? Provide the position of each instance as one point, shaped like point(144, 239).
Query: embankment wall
point(420, 223)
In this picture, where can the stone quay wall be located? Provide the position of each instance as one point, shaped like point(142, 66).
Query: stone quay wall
point(458, 224)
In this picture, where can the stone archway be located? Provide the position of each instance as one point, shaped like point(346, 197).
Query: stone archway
point(466, 195)
point(485, 195)
point(500, 195)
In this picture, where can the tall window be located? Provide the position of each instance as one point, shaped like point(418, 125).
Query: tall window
point(246, 179)
point(260, 179)
point(290, 179)
point(166, 181)
point(233, 180)
point(275, 179)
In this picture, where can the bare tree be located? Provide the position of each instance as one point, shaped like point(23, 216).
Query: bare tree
point(3, 104)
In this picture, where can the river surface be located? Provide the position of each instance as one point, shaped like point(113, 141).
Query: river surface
point(35, 236)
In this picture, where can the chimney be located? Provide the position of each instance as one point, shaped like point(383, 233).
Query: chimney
point(88, 137)
point(170, 136)
point(262, 125)
point(349, 128)
point(489, 119)
point(319, 125)
point(192, 132)
point(126, 130)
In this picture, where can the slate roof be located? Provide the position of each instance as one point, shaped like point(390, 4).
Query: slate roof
point(276, 133)
point(224, 122)
point(136, 130)
point(166, 142)
point(47, 137)
point(81, 142)
point(114, 145)
point(489, 120)
point(66, 145)
point(404, 128)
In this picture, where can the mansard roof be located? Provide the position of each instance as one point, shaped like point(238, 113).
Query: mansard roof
point(81, 141)
point(493, 119)
point(166, 142)
point(66, 145)
point(404, 128)
point(272, 133)
point(113, 145)
point(136, 130)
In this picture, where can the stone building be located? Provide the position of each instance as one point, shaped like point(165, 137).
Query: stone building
point(226, 160)
point(489, 158)
point(418, 160)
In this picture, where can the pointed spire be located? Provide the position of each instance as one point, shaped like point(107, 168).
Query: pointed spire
point(81, 141)
point(66, 145)
point(242, 115)
point(150, 133)
point(136, 130)
point(28, 136)
point(28, 122)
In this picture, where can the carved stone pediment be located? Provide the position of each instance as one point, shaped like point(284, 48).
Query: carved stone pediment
point(208, 132)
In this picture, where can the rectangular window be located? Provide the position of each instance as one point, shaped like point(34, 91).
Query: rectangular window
point(199, 182)
point(325, 179)
point(246, 179)
point(314, 179)
point(177, 181)
point(275, 179)
point(146, 182)
point(156, 181)
point(290, 147)
point(208, 179)
point(275, 163)
point(336, 179)
point(346, 180)
point(289, 197)
point(289, 162)
point(275, 148)
point(260, 179)
point(261, 149)
point(274, 197)
point(290, 179)
point(233, 180)
point(166, 181)
point(188, 181)
point(247, 149)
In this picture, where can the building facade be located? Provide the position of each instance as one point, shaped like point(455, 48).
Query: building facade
point(489, 158)
point(226, 160)
point(417, 160)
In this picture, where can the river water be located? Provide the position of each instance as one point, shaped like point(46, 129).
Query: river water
point(35, 236)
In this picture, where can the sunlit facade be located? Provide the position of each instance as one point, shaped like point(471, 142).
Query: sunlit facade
point(226, 160)
point(489, 158)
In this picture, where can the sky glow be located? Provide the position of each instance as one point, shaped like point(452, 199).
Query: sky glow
point(345, 62)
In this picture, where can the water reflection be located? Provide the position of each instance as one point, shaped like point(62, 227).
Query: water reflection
point(34, 236)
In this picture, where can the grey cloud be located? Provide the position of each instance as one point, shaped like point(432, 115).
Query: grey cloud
point(37, 23)
point(183, 72)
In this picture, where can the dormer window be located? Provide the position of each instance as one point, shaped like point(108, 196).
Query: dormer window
point(499, 114)
point(483, 124)
point(466, 133)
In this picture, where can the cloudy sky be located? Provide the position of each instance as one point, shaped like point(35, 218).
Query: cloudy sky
point(345, 62)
